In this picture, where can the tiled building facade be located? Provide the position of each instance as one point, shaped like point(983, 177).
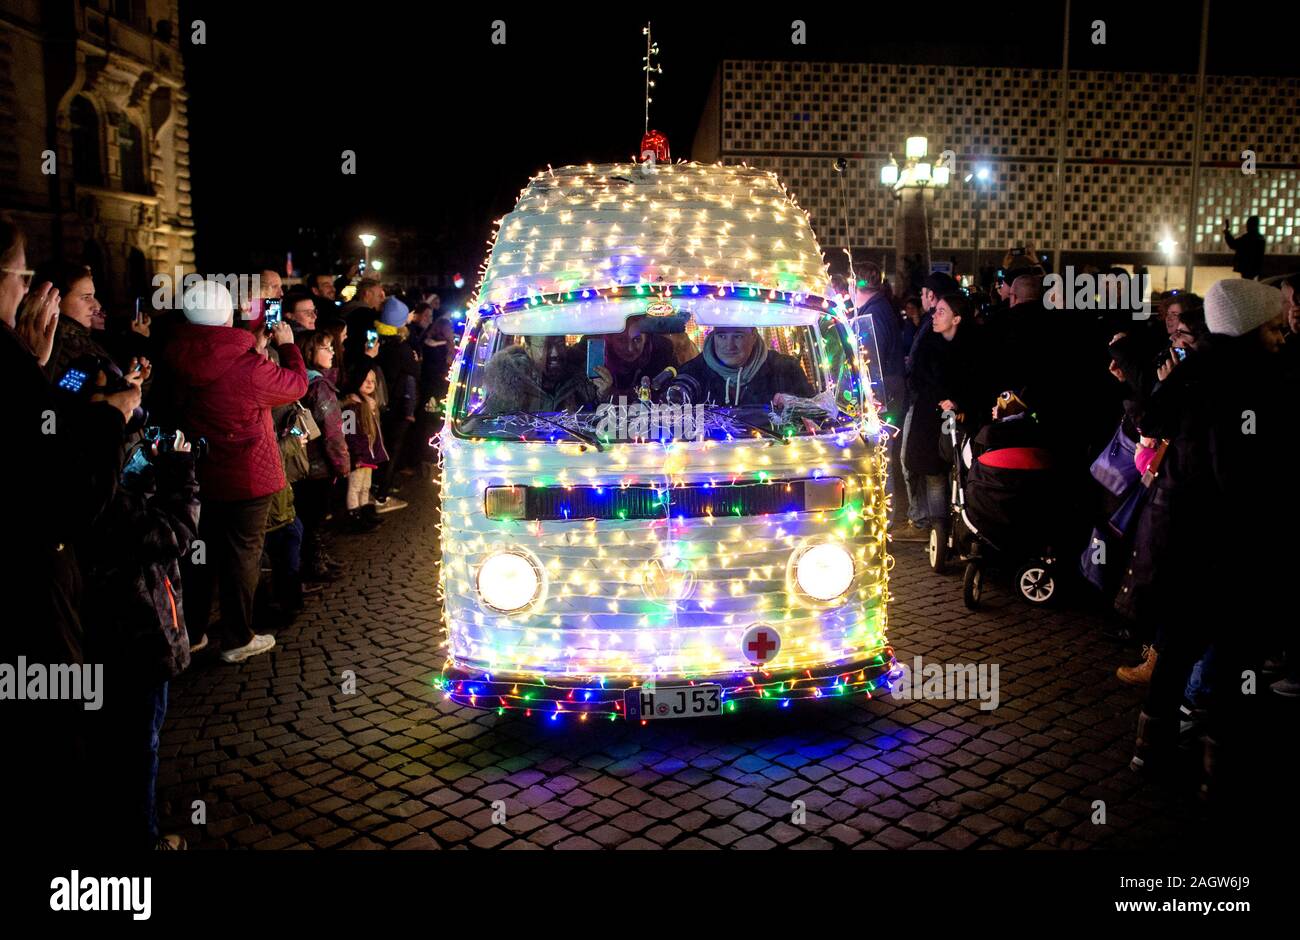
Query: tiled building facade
point(1128, 153)
point(97, 85)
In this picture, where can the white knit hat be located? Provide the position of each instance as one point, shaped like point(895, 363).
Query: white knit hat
point(208, 303)
point(1237, 306)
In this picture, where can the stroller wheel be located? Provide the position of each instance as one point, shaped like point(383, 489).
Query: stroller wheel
point(972, 585)
point(1036, 582)
point(937, 549)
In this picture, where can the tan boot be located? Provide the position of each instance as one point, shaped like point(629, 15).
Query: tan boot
point(1139, 675)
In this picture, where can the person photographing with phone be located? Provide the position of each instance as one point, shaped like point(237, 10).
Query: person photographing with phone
point(225, 392)
point(617, 362)
point(59, 482)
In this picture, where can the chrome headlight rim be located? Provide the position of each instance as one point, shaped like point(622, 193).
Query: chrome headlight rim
point(795, 586)
point(539, 574)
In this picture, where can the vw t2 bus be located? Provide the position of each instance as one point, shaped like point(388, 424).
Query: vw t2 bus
point(662, 467)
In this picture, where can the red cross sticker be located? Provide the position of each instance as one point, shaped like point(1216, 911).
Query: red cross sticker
point(760, 644)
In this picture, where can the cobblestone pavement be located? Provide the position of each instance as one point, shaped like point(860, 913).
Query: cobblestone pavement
point(283, 759)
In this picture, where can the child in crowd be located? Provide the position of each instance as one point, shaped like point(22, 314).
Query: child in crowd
point(327, 455)
point(365, 444)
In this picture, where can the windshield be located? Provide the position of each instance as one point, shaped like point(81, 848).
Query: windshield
point(659, 378)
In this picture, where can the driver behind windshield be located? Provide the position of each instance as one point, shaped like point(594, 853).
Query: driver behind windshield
point(538, 376)
point(737, 368)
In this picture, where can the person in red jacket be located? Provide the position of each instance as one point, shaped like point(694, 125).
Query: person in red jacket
point(225, 393)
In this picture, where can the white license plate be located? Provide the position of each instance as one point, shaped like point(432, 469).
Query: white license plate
point(682, 701)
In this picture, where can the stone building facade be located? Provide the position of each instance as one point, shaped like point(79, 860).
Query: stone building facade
point(93, 90)
point(1127, 160)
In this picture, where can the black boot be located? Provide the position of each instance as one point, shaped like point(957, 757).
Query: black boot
point(358, 522)
point(1157, 742)
point(315, 567)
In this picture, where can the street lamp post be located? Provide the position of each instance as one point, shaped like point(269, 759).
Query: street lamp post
point(981, 178)
point(909, 183)
point(367, 240)
point(1167, 247)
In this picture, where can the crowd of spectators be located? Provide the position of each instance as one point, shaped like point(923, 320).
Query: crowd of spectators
point(1163, 420)
point(166, 459)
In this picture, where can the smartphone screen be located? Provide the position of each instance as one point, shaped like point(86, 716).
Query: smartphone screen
point(595, 356)
point(372, 337)
point(1180, 353)
point(272, 311)
point(72, 380)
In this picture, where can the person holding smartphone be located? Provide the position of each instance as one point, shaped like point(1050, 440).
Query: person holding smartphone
point(227, 392)
point(58, 483)
point(81, 320)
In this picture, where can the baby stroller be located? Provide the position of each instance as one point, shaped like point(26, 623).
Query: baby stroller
point(1002, 499)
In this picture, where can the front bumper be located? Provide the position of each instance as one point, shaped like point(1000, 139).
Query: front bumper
point(585, 697)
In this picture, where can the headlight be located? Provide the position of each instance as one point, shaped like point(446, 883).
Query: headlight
point(824, 571)
point(508, 582)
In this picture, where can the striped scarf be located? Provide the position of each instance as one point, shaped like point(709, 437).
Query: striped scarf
point(740, 376)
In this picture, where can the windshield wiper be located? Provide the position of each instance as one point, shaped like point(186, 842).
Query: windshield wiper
point(464, 426)
point(580, 435)
point(717, 411)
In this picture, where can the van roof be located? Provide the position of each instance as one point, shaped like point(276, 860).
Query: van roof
point(603, 225)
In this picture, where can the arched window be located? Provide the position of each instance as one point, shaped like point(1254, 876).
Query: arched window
point(138, 277)
point(86, 167)
point(130, 151)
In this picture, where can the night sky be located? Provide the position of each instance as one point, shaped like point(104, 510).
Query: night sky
point(447, 127)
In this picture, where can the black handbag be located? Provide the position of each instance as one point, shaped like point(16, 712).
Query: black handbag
point(1114, 467)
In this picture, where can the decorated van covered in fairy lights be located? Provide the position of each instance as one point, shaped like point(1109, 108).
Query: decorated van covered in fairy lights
point(662, 468)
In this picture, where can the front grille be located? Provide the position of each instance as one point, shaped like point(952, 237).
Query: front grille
point(691, 500)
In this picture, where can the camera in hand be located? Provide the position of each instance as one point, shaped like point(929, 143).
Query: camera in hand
point(78, 382)
point(164, 442)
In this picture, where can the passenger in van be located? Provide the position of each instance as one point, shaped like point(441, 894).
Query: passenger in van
point(737, 368)
point(630, 356)
point(539, 375)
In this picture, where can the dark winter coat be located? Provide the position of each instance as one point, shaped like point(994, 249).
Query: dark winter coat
point(514, 384)
point(888, 329)
point(71, 342)
point(135, 619)
point(58, 484)
point(780, 373)
point(656, 355)
point(329, 452)
point(363, 451)
point(941, 369)
point(1203, 540)
point(401, 365)
point(226, 393)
